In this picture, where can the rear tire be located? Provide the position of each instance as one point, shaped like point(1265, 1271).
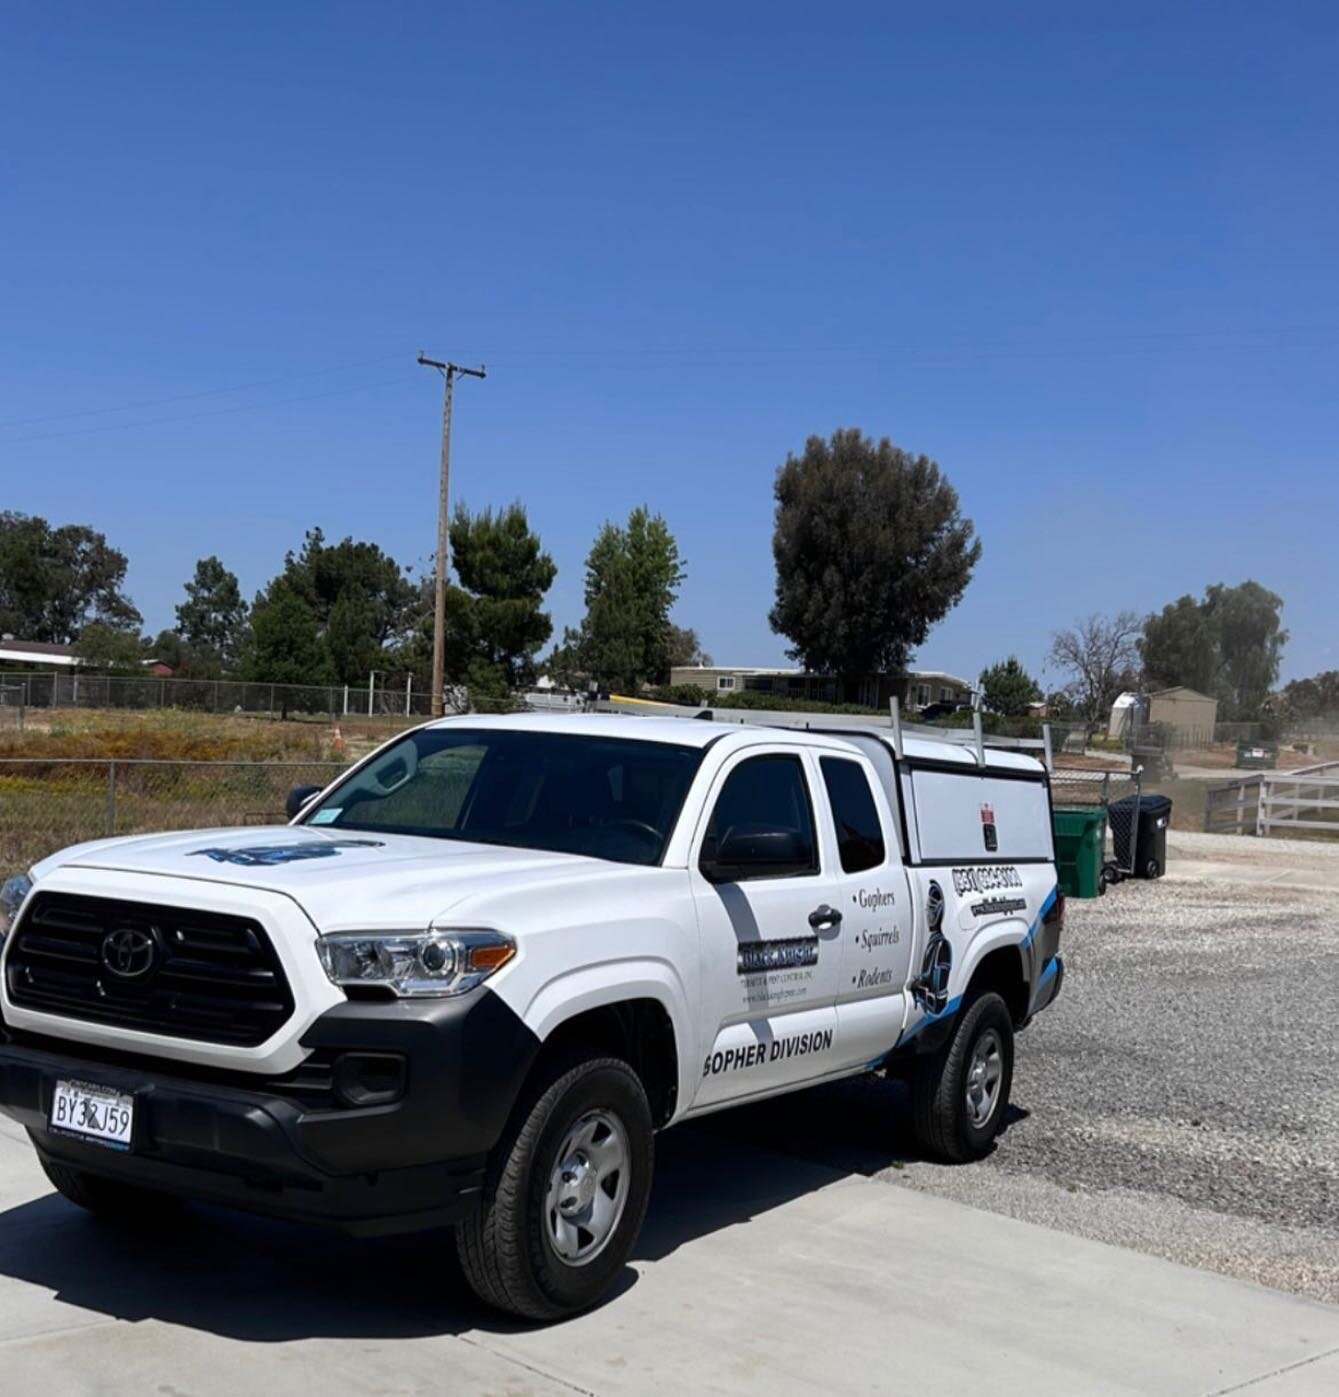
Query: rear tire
point(113, 1201)
point(960, 1093)
point(565, 1193)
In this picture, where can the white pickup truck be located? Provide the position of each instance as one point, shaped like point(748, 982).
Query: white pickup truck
point(472, 978)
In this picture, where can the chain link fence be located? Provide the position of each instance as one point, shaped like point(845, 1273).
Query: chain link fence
point(382, 696)
point(1116, 794)
point(48, 803)
point(11, 705)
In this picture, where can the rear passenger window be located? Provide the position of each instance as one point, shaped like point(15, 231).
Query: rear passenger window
point(859, 834)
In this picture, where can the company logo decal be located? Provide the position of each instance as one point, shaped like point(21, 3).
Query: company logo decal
point(129, 953)
point(761, 957)
point(265, 855)
point(755, 1054)
point(988, 831)
point(998, 906)
point(986, 879)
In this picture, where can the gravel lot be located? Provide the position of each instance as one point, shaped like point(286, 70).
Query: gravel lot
point(1181, 1097)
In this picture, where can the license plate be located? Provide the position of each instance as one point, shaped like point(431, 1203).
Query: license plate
point(93, 1113)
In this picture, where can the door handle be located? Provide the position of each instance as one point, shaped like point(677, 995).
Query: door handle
point(824, 918)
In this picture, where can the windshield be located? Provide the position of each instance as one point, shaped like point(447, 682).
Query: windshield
point(608, 798)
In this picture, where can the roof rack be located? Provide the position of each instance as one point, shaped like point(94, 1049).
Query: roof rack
point(771, 718)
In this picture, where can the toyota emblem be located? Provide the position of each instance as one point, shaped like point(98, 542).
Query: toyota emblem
point(129, 953)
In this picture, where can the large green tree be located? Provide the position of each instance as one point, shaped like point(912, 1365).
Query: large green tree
point(871, 550)
point(285, 646)
point(504, 574)
point(1228, 644)
point(633, 575)
point(1180, 646)
point(1250, 646)
point(212, 619)
point(363, 604)
point(1008, 689)
point(323, 571)
point(54, 581)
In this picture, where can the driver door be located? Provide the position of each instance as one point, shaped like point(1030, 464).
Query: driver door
point(769, 927)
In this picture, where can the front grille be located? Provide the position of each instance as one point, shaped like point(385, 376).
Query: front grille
point(208, 976)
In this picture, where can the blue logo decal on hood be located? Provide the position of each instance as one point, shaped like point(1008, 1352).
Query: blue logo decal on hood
point(285, 853)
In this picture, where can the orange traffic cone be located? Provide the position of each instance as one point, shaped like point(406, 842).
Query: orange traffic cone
point(337, 745)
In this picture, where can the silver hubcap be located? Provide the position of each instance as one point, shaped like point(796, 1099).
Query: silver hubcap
point(588, 1188)
point(985, 1074)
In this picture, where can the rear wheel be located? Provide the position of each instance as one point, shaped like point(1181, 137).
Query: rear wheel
point(565, 1194)
point(105, 1197)
point(960, 1093)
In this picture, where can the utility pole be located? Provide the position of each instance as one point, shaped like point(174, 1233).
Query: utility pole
point(448, 372)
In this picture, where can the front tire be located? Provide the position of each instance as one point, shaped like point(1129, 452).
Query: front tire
point(960, 1093)
point(565, 1193)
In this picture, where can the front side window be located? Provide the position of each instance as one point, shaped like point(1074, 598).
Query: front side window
point(859, 834)
point(762, 824)
point(606, 798)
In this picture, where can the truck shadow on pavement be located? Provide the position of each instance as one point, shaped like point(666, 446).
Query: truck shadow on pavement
point(260, 1281)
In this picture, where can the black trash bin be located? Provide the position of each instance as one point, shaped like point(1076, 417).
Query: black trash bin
point(1153, 814)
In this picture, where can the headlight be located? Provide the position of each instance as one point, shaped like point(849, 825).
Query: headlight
point(415, 964)
point(12, 893)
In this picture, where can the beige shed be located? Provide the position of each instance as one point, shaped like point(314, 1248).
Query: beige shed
point(1191, 715)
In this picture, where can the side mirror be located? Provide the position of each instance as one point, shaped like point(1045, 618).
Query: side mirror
point(299, 797)
point(756, 851)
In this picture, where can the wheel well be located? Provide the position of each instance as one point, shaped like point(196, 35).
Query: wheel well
point(1002, 971)
point(637, 1030)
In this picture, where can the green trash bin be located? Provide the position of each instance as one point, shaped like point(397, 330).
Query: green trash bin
point(1080, 838)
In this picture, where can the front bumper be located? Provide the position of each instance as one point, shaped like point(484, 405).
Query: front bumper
point(414, 1159)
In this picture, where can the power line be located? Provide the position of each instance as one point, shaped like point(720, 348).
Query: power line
point(212, 412)
point(1187, 339)
point(202, 393)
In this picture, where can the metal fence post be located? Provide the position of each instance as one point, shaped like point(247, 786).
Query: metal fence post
point(1138, 774)
point(111, 797)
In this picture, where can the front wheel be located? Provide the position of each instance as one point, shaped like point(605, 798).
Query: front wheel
point(565, 1194)
point(959, 1094)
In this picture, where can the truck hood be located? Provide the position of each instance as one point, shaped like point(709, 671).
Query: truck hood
point(344, 880)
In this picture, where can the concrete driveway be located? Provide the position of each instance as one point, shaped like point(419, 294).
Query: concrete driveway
point(758, 1272)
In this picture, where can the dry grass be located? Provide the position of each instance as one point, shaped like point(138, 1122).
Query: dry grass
point(46, 803)
point(177, 735)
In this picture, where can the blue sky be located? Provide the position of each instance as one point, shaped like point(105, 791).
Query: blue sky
point(1083, 256)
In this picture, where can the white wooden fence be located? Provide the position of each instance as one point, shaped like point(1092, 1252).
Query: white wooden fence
point(1276, 802)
